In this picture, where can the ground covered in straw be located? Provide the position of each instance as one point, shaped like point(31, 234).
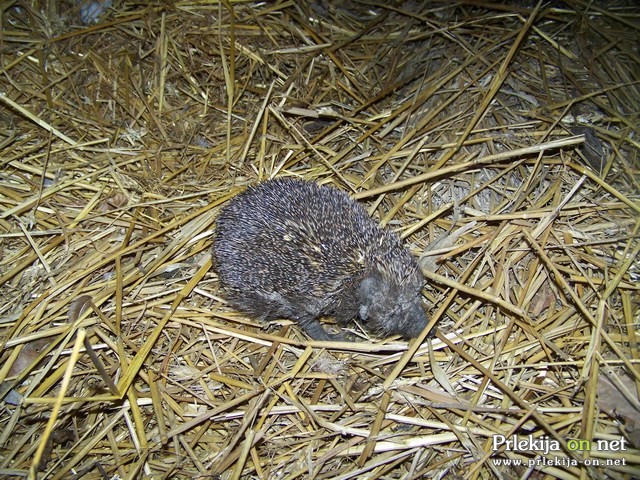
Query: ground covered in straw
point(508, 130)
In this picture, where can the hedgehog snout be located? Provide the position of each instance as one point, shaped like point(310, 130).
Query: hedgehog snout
point(411, 319)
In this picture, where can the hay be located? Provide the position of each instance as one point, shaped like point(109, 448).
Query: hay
point(120, 140)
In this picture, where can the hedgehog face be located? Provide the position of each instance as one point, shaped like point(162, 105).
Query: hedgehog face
point(390, 307)
point(409, 319)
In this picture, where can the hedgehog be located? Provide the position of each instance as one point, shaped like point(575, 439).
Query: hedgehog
point(290, 248)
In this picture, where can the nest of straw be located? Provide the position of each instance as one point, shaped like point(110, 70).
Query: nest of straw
point(124, 129)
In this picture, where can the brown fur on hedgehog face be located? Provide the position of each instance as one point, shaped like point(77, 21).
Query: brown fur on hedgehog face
point(293, 249)
point(390, 308)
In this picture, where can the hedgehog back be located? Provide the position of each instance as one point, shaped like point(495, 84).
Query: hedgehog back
point(293, 248)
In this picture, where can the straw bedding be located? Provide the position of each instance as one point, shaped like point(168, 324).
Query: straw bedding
point(502, 137)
